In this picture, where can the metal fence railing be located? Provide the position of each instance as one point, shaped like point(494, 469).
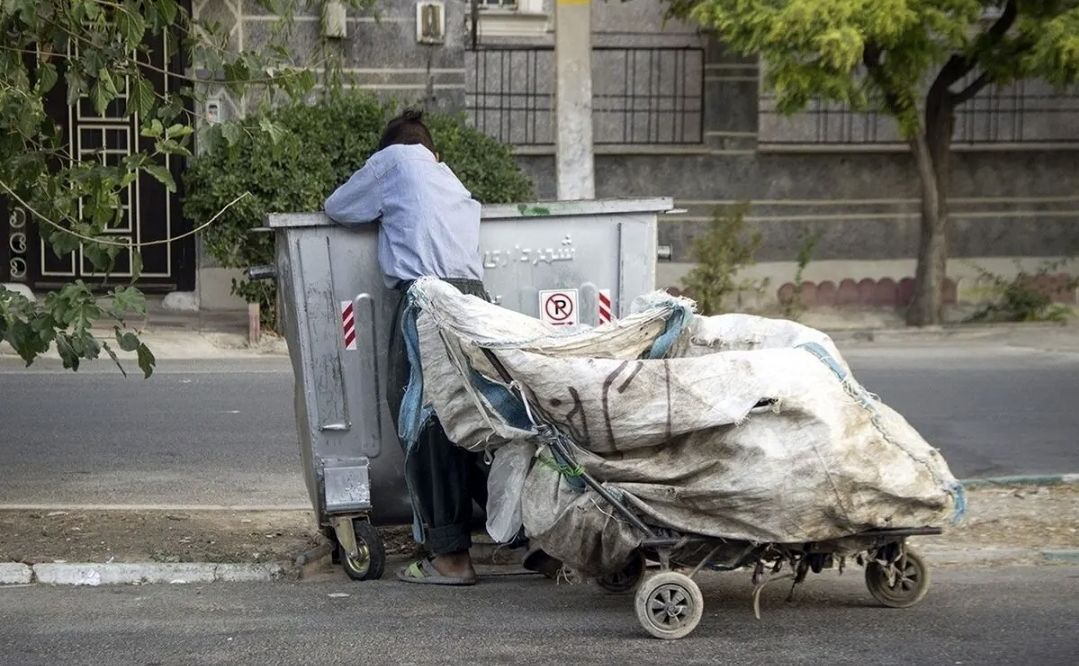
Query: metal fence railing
point(1027, 111)
point(640, 95)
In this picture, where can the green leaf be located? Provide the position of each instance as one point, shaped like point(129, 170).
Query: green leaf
point(232, 132)
point(46, 77)
point(179, 130)
point(168, 10)
point(105, 76)
point(131, 23)
point(65, 347)
point(27, 342)
point(136, 267)
point(153, 130)
point(210, 137)
point(141, 100)
point(172, 148)
point(98, 255)
point(128, 300)
point(273, 129)
point(90, 10)
point(128, 341)
point(100, 96)
point(75, 85)
point(147, 362)
point(163, 175)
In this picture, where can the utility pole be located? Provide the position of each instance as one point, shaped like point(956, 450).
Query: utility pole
point(574, 161)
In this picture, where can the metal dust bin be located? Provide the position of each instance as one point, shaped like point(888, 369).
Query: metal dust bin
point(569, 263)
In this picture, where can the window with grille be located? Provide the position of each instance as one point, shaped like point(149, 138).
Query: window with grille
point(639, 95)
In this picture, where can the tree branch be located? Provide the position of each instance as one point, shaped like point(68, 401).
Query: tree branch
point(871, 60)
point(960, 65)
point(973, 89)
point(956, 68)
point(1004, 22)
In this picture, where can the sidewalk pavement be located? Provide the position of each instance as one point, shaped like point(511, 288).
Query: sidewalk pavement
point(189, 335)
point(1005, 525)
point(220, 335)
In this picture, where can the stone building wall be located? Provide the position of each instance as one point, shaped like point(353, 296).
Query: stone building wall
point(679, 116)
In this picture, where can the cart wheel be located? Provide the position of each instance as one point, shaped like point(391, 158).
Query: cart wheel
point(371, 558)
point(625, 580)
point(909, 587)
point(669, 605)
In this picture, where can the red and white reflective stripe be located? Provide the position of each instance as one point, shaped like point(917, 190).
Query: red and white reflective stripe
point(605, 309)
point(348, 324)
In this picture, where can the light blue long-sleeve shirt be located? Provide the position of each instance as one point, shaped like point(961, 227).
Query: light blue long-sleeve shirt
point(430, 224)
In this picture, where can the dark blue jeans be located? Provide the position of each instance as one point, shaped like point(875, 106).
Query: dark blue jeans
point(444, 479)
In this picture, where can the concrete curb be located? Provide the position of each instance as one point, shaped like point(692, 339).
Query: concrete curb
point(935, 333)
point(122, 573)
point(950, 557)
point(1061, 555)
point(317, 559)
point(15, 573)
point(1021, 480)
point(314, 560)
point(184, 345)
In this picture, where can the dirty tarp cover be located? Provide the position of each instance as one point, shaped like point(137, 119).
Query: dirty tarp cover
point(747, 428)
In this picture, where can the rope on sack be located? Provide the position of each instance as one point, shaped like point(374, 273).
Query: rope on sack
point(453, 353)
point(565, 470)
point(866, 400)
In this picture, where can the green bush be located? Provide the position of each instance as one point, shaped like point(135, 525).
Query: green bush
point(296, 169)
point(1020, 299)
point(724, 249)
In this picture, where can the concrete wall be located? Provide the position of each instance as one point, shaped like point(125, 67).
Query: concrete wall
point(1009, 199)
point(1011, 202)
point(380, 52)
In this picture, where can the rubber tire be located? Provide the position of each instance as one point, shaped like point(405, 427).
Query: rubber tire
point(876, 579)
point(674, 582)
point(625, 580)
point(366, 537)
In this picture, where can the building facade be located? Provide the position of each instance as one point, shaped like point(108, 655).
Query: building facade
point(675, 114)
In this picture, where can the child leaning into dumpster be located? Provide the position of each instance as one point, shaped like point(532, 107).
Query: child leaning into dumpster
point(429, 226)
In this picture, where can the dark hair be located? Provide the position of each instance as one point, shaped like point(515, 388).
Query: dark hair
point(407, 128)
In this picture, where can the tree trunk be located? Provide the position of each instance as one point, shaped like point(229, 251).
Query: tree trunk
point(932, 149)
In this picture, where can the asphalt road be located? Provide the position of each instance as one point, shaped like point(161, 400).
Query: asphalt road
point(196, 432)
point(992, 411)
point(222, 432)
point(1008, 616)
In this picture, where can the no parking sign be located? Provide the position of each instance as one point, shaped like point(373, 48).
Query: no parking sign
point(558, 307)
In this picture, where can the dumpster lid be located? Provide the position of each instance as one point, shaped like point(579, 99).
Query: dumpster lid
point(509, 211)
point(583, 207)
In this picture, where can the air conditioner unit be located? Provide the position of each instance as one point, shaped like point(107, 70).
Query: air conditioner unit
point(430, 22)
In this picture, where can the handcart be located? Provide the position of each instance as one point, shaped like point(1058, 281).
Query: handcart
point(669, 603)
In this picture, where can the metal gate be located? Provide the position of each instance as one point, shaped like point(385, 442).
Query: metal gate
point(151, 213)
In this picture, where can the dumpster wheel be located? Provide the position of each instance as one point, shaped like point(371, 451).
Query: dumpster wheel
point(371, 555)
